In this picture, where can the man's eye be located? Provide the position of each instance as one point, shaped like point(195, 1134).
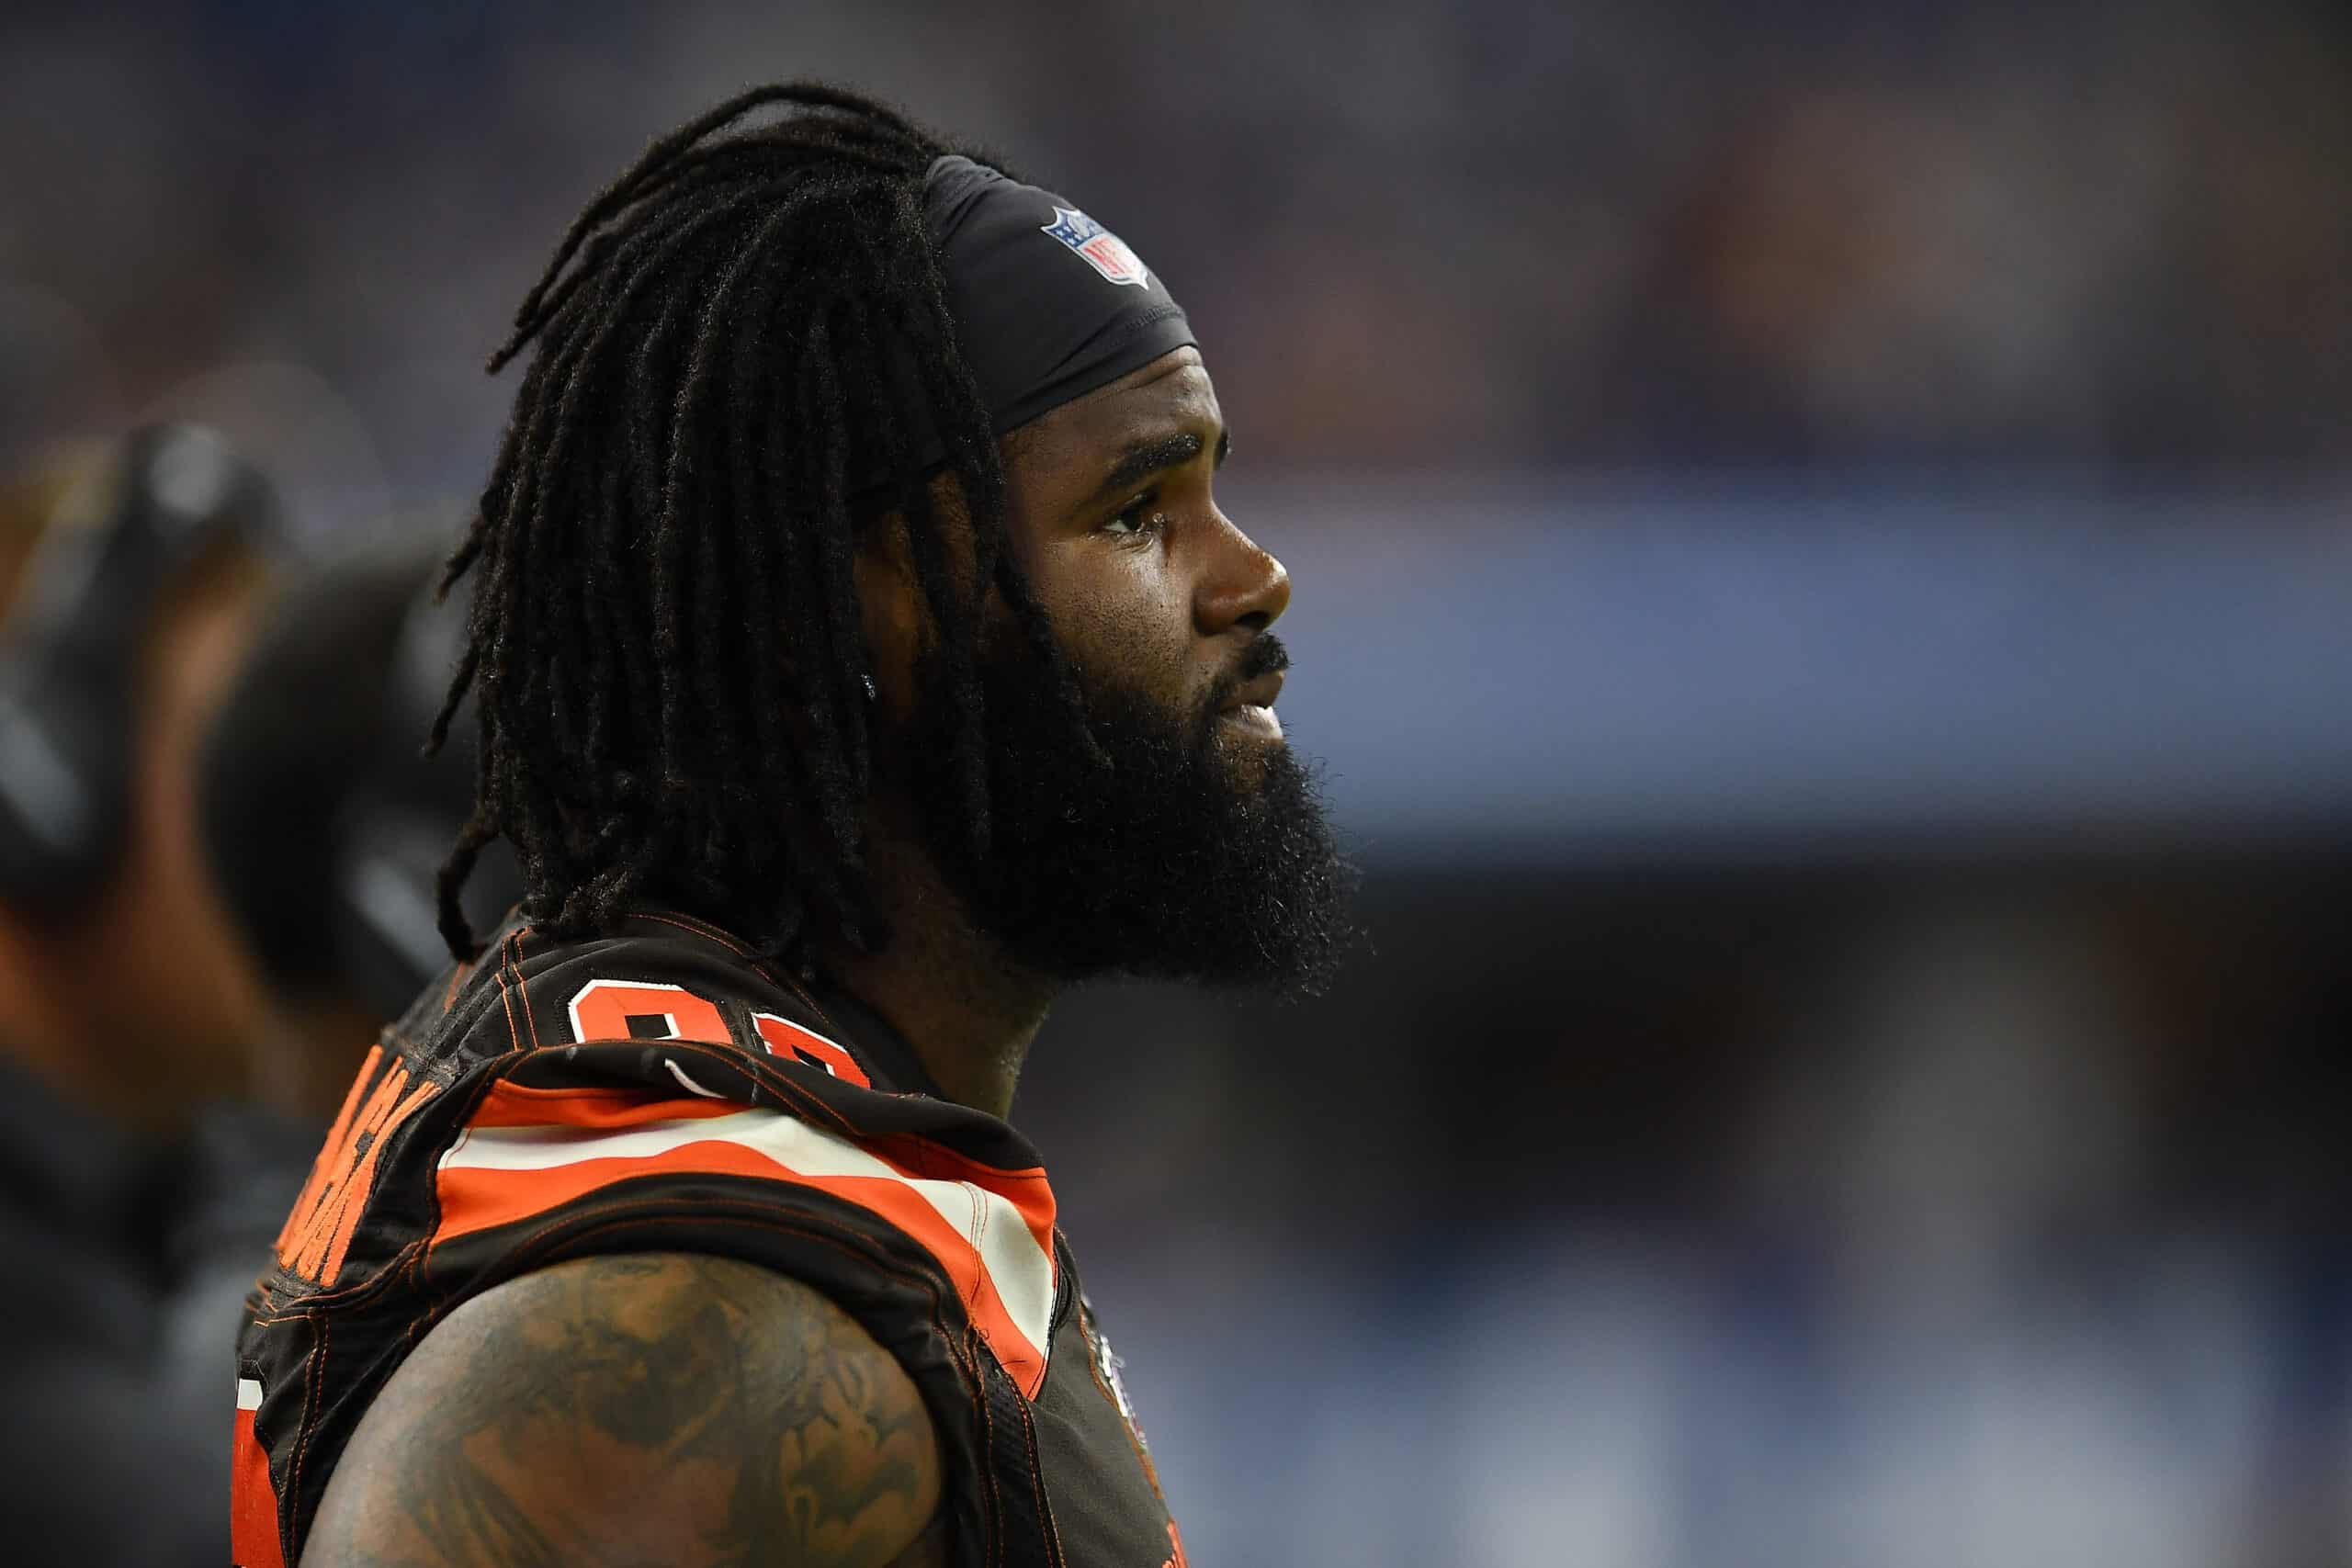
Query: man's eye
point(1135, 518)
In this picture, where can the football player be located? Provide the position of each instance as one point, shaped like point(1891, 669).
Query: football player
point(861, 657)
point(127, 1005)
point(322, 825)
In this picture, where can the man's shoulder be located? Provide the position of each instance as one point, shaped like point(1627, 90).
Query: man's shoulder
point(652, 1398)
point(592, 1101)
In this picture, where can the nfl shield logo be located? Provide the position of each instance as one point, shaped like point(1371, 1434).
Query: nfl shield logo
point(1104, 250)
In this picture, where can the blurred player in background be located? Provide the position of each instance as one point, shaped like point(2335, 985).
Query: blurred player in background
point(323, 827)
point(862, 661)
point(127, 1006)
point(326, 826)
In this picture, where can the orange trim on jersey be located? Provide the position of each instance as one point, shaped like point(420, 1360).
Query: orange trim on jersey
point(253, 1503)
point(1027, 1190)
point(520, 1105)
point(474, 1199)
point(317, 1234)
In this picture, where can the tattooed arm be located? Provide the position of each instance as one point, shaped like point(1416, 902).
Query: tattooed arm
point(631, 1411)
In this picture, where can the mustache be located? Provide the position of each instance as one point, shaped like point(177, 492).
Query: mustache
point(1266, 655)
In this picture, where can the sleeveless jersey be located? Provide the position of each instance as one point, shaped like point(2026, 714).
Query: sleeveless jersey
point(661, 1089)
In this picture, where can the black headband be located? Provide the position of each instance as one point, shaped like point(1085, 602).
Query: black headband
point(1048, 304)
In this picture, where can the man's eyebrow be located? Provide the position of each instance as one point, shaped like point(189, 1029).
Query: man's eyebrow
point(1145, 459)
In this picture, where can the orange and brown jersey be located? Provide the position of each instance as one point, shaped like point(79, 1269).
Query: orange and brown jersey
point(661, 1090)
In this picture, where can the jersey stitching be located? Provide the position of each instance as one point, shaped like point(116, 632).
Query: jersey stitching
point(736, 1058)
point(515, 966)
point(774, 976)
point(418, 1254)
point(720, 1055)
point(317, 1364)
point(588, 1091)
point(505, 997)
point(702, 929)
point(988, 1446)
point(1037, 1484)
point(408, 1260)
point(962, 1349)
point(979, 1228)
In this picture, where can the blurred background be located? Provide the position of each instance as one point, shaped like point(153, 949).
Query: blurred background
point(1824, 547)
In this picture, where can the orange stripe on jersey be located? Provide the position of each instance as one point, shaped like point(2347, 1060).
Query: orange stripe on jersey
point(252, 1502)
point(913, 1157)
point(509, 1104)
point(982, 1241)
point(518, 1105)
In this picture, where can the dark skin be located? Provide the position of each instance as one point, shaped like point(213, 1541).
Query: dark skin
point(1148, 583)
point(670, 1409)
point(688, 1412)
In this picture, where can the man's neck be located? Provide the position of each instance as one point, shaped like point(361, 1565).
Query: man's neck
point(968, 1011)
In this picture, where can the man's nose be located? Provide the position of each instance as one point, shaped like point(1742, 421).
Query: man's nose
point(1245, 586)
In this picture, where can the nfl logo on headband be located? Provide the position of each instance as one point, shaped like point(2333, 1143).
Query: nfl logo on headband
point(1104, 250)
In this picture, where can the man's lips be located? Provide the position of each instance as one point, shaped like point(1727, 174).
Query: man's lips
point(1252, 706)
point(1257, 694)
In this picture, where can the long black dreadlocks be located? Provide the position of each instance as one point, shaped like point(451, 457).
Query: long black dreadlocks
point(665, 643)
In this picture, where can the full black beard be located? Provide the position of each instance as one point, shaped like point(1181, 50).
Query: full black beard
point(1151, 852)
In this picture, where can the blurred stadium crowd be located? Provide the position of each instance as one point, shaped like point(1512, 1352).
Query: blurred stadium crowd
point(1505, 233)
point(1853, 1064)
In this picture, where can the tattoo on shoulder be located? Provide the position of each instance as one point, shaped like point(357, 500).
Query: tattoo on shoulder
point(631, 1411)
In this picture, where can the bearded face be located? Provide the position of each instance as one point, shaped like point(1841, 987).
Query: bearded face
point(1137, 836)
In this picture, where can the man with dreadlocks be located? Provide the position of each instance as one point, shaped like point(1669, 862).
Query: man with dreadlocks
point(860, 659)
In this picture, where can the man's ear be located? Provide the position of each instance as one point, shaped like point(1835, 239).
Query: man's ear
point(896, 615)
